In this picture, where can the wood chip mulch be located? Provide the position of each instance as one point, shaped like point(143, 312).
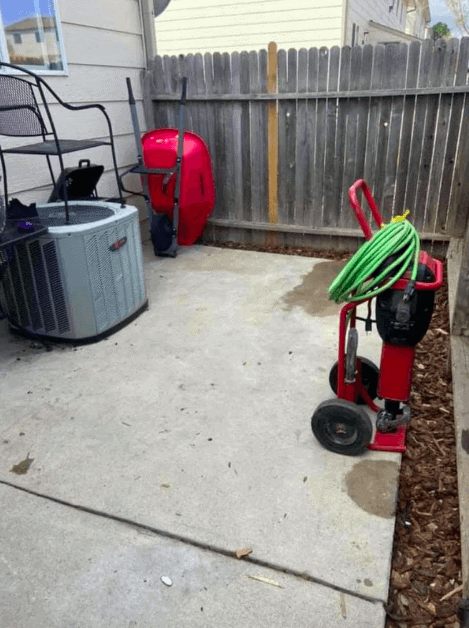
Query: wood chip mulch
point(427, 552)
point(426, 562)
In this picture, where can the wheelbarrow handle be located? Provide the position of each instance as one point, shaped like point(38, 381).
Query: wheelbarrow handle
point(357, 208)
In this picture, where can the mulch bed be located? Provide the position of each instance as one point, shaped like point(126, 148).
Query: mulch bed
point(426, 563)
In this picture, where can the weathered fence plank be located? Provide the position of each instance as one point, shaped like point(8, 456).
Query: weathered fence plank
point(311, 125)
point(352, 137)
point(414, 172)
point(382, 127)
point(394, 115)
point(441, 214)
point(373, 118)
point(343, 111)
point(262, 135)
point(287, 74)
point(408, 121)
point(363, 106)
point(449, 53)
point(259, 212)
point(220, 157)
point(398, 60)
point(318, 193)
point(458, 201)
point(330, 211)
point(245, 133)
point(236, 208)
point(301, 158)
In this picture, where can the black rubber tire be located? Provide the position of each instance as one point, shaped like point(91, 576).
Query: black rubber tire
point(342, 427)
point(370, 374)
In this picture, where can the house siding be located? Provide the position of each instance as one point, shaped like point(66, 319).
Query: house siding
point(190, 26)
point(416, 24)
point(103, 45)
point(360, 12)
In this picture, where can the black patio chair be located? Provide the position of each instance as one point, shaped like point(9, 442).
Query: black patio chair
point(20, 116)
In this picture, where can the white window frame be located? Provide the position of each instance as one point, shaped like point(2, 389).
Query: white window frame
point(4, 50)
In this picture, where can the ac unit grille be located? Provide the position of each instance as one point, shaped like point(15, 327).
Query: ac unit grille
point(28, 285)
point(33, 288)
point(56, 287)
point(47, 309)
point(115, 284)
point(18, 291)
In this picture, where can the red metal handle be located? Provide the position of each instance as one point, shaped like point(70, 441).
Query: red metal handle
point(436, 268)
point(357, 208)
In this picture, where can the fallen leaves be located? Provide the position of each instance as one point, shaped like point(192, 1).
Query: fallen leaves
point(242, 553)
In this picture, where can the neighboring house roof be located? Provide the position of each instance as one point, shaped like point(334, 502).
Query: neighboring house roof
point(31, 24)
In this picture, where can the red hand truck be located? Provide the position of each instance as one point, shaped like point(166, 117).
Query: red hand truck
point(341, 425)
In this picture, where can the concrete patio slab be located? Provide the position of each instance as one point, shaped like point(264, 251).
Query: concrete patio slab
point(195, 419)
point(60, 567)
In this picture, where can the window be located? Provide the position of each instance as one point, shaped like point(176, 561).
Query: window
point(30, 35)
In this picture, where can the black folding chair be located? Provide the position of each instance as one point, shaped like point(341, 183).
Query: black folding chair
point(20, 116)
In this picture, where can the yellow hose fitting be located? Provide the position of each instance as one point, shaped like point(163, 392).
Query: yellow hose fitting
point(401, 218)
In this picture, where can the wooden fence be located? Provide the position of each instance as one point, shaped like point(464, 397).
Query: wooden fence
point(395, 115)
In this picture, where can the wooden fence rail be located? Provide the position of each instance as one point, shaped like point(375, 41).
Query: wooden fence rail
point(395, 115)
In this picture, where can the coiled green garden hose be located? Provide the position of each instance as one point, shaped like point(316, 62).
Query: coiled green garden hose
point(356, 282)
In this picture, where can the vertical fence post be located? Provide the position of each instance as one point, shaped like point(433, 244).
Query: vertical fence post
point(272, 131)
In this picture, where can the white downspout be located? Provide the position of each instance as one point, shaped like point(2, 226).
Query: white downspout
point(147, 18)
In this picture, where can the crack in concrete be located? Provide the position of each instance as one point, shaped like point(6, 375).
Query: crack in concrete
point(197, 544)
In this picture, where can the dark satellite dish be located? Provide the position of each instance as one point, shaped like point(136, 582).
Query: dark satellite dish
point(159, 6)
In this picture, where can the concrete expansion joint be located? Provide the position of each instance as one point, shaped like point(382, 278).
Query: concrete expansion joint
point(194, 543)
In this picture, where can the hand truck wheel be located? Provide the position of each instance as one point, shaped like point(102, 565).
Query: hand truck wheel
point(370, 374)
point(342, 427)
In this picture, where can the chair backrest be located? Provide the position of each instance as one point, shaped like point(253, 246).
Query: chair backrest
point(19, 110)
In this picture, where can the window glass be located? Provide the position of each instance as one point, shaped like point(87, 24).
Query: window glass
point(31, 34)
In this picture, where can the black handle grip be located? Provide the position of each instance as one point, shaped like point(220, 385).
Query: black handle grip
point(87, 162)
point(131, 94)
point(184, 90)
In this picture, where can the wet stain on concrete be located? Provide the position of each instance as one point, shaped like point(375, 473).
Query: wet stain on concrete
point(312, 294)
point(22, 467)
point(465, 440)
point(372, 484)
